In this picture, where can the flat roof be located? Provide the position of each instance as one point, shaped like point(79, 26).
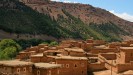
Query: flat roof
point(75, 49)
point(71, 58)
point(15, 63)
point(128, 72)
point(37, 55)
point(54, 51)
point(47, 65)
point(126, 48)
point(101, 47)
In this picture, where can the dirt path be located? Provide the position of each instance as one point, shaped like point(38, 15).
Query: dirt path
point(106, 72)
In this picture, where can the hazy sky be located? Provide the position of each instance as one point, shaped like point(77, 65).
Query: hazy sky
point(121, 8)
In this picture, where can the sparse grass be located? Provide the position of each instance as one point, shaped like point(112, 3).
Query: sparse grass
point(23, 20)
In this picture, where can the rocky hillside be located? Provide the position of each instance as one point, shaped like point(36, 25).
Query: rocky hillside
point(86, 13)
point(61, 20)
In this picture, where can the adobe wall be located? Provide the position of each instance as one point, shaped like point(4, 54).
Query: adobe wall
point(73, 53)
point(112, 68)
point(125, 56)
point(92, 55)
point(113, 46)
point(125, 67)
point(28, 70)
point(95, 66)
point(105, 57)
point(80, 54)
point(109, 56)
point(25, 70)
point(119, 67)
point(96, 51)
point(54, 71)
point(72, 67)
point(121, 57)
point(32, 49)
point(128, 56)
point(25, 55)
point(41, 59)
point(90, 41)
point(36, 59)
point(88, 46)
point(76, 44)
point(42, 71)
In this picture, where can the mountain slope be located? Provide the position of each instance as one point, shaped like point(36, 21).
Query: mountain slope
point(87, 13)
point(62, 20)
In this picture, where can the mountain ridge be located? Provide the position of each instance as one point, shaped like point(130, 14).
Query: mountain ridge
point(64, 20)
point(85, 12)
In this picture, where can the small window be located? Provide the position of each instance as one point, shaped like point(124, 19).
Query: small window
point(82, 72)
point(38, 72)
point(24, 69)
point(67, 65)
point(18, 70)
point(75, 65)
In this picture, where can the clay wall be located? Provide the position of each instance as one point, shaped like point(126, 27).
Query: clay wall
point(96, 51)
point(109, 56)
point(20, 70)
point(73, 67)
point(121, 57)
point(41, 71)
point(125, 67)
point(95, 66)
point(112, 68)
point(73, 53)
point(36, 59)
point(25, 55)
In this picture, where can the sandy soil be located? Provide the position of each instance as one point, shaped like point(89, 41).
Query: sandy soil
point(106, 72)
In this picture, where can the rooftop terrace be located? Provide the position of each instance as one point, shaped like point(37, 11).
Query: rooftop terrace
point(14, 63)
point(47, 65)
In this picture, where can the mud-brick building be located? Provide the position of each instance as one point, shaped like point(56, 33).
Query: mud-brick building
point(15, 67)
point(45, 56)
point(75, 51)
point(46, 69)
point(119, 62)
point(37, 58)
point(72, 65)
point(102, 49)
point(125, 55)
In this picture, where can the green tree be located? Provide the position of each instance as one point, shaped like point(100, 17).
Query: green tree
point(8, 49)
point(54, 43)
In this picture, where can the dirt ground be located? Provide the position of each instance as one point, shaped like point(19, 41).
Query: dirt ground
point(105, 72)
